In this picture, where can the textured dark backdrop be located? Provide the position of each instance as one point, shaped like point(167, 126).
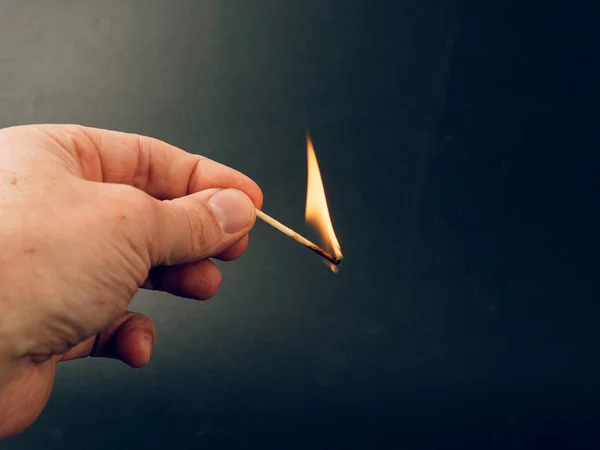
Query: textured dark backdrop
point(458, 142)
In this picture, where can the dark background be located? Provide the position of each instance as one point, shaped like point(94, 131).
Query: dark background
point(458, 142)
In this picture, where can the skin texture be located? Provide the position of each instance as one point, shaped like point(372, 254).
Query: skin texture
point(88, 217)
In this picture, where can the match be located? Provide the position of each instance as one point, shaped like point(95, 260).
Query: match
point(297, 237)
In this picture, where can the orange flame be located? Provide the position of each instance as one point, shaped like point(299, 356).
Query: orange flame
point(317, 212)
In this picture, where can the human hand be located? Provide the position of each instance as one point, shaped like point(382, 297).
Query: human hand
point(87, 217)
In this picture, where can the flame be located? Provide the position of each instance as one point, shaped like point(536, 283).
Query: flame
point(317, 212)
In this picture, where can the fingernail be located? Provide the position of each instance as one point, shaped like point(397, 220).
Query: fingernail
point(232, 209)
point(148, 341)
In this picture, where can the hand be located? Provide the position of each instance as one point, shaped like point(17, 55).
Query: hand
point(87, 217)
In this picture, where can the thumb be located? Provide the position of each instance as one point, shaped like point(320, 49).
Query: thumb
point(201, 225)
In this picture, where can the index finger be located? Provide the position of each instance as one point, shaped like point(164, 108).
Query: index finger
point(160, 169)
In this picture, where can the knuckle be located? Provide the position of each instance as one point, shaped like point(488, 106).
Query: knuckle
point(197, 231)
point(143, 143)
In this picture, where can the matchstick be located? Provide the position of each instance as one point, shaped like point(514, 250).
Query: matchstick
point(297, 237)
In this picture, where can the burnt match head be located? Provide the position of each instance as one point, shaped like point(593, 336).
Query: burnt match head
point(324, 254)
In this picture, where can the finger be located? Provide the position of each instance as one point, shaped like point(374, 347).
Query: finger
point(129, 339)
point(235, 251)
point(195, 227)
point(199, 281)
point(160, 169)
point(81, 350)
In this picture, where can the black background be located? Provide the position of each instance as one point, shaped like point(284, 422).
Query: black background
point(458, 142)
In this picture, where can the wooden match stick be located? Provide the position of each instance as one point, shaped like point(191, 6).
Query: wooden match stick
point(297, 237)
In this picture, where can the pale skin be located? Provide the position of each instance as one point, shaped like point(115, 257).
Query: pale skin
point(87, 218)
